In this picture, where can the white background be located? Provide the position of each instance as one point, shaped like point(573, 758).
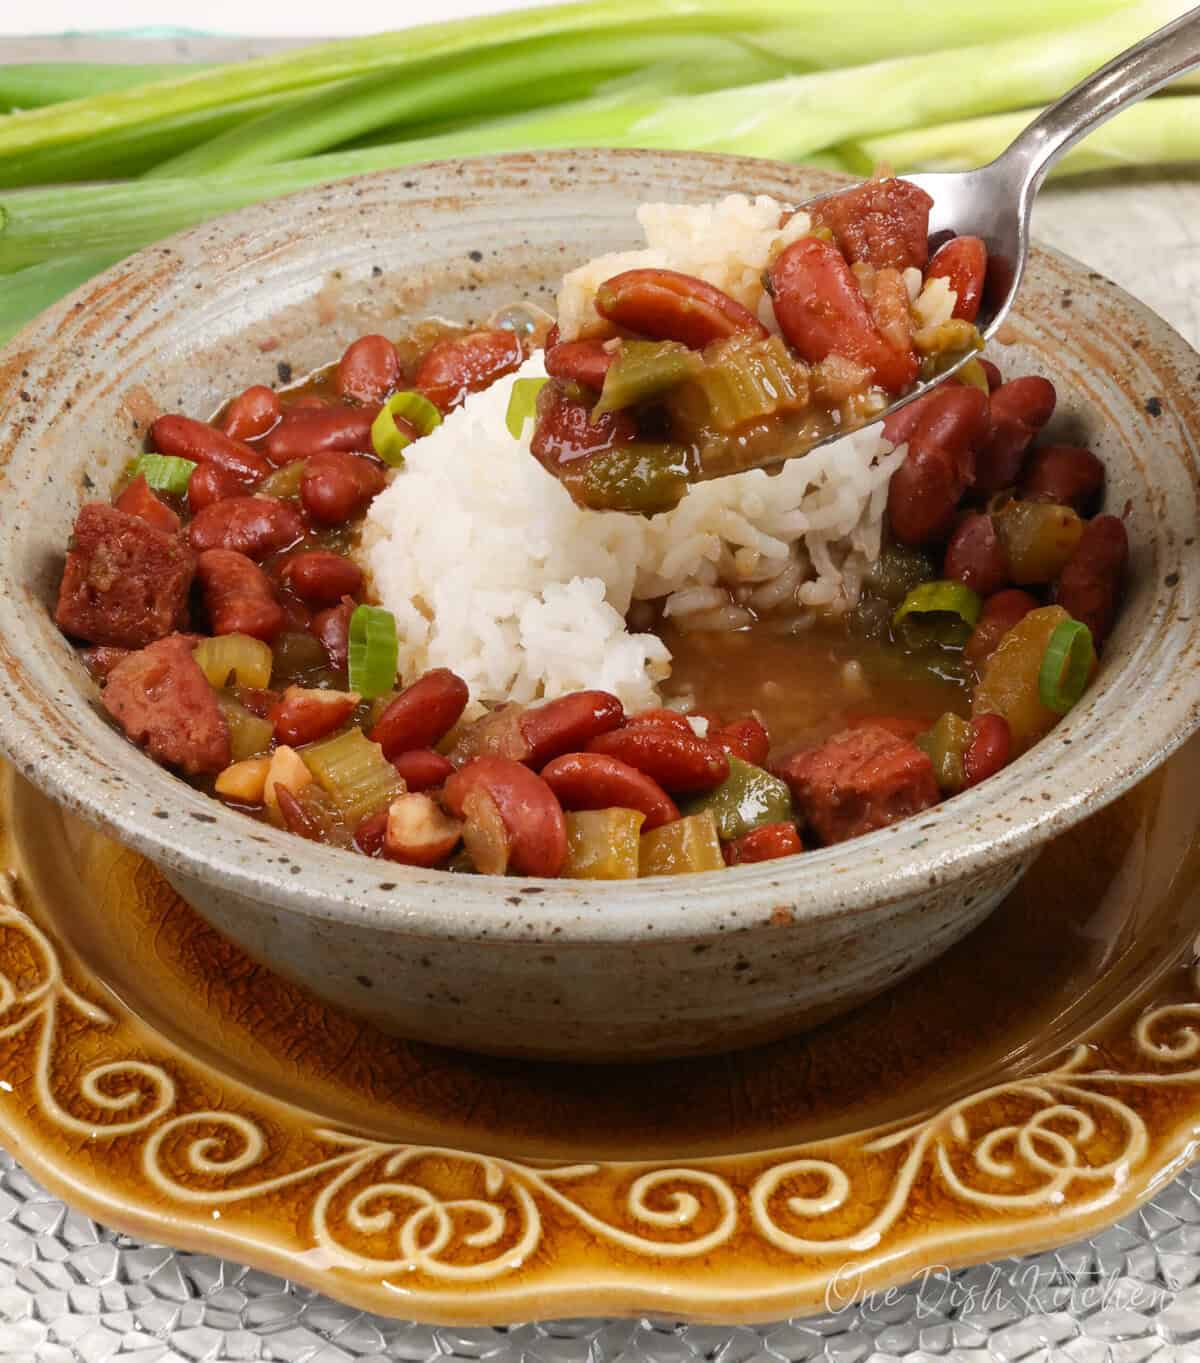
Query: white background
point(263, 18)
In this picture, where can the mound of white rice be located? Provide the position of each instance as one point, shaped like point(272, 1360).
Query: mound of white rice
point(492, 570)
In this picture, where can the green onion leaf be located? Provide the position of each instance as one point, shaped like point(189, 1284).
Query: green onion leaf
point(522, 404)
point(373, 651)
point(941, 598)
point(387, 439)
point(164, 472)
point(1067, 664)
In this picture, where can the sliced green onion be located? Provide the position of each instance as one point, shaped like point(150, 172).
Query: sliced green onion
point(373, 651)
point(522, 404)
point(941, 598)
point(387, 439)
point(1067, 664)
point(164, 472)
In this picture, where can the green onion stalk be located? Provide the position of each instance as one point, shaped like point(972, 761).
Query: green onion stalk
point(30, 85)
point(791, 29)
point(789, 118)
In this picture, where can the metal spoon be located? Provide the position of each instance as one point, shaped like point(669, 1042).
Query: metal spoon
point(995, 202)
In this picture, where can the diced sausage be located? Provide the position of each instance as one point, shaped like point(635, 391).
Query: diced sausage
point(254, 526)
point(858, 781)
point(139, 500)
point(466, 364)
point(881, 222)
point(125, 582)
point(1090, 586)
point(238, 595)
point(163, 701)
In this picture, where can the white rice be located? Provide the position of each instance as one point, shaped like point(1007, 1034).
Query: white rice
point(491, 569)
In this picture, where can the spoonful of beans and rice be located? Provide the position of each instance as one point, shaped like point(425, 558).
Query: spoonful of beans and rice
point(874, 297)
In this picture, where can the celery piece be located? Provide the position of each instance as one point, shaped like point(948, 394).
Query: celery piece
point(248, 734)
point(746, 799)
point(602, 844)
point(643, 370)
point(228, 657)
point(946, 746)
point(747, 379)
point(679, 848)
point(354, 773)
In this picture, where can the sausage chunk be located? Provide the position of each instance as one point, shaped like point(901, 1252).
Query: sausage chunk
point(163, 701)
point(880, 222)
point(126, 582)
point(858, 781)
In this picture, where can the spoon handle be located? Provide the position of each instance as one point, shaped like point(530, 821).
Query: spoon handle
point(1130, 76)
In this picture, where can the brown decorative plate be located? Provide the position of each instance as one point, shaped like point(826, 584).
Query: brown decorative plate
point(1039, 1080)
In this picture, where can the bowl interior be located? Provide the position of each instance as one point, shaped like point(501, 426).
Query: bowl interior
point(270, 293)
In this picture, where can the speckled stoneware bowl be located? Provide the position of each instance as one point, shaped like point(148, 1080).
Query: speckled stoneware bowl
point(560, 969)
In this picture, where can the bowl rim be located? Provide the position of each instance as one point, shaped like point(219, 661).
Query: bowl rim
point(1002, 819)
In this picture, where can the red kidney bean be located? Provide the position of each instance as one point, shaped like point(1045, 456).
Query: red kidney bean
point(939, 465)
point(336, 486)
point(821, 311)
point(666, 305)
point(747, 739)
point(564, 429)
point(422, 714)
point(1067, 474)
point(672, 719)
point(1000, 613)
point(678, 762)
point(590, 780)
point(466, 364)
point(423, 768)
point(584, 362)
point(188, 439)
point(1089, 587)
point(976, 555)
point(567, 724)
point(992, 373)
point(138, 500)
point(238, 595)
point(989, 749)
point(1019, 409)
point(332, 628)
point(899, 426)
point(963, 264)
point(369, 835)
point(418, 832)
point(306, 714)
point(766, 843)
point(305, 431)
point(252, 413)
point(369, 370)
point(296, 818)
point(511, 813)
point(210, 483)
point(321, 577)
point(254, 526)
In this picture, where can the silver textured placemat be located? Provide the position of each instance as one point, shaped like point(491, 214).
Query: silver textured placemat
point(73, 1292)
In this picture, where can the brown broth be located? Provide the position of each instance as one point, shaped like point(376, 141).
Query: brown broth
point(796, 684)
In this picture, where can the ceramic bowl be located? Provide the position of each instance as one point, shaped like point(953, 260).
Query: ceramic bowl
point(556, 969)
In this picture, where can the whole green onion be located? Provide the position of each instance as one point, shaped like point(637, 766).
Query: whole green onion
point(164, 472)
point(522, 405)
point(373, 651)
point(1067, 665)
